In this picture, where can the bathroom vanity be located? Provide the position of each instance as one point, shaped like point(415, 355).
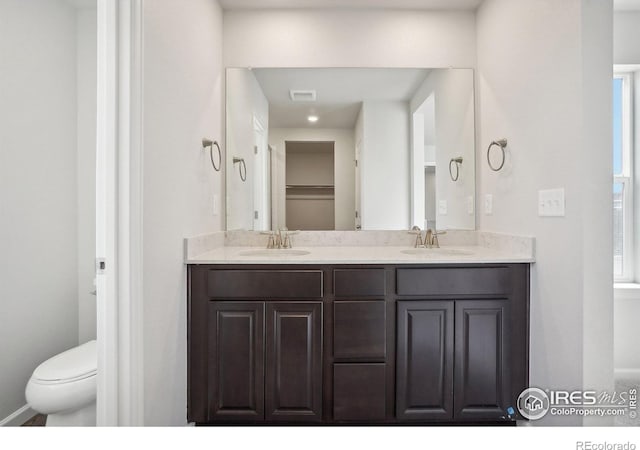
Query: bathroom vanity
point(319, 339)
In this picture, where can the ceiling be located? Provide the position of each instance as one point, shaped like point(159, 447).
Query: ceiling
point(340, 93)
point(626, 5)
point(351, 4)
point(618, 5)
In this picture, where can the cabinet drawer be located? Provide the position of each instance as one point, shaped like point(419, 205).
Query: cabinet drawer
point(359, 331)
point(359, 392)
point(359, 282)
point(454, 281)
point(264, 284)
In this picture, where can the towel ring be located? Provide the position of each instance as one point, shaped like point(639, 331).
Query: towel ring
point(458, 163)
point(209, 143)
point(502, 143)
point(242, 166)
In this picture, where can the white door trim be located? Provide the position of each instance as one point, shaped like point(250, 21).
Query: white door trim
point(119, 213)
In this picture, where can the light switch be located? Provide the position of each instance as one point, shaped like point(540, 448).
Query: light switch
point(488, 204)
point(442, 207)
point(470, 205)
point(551, 203)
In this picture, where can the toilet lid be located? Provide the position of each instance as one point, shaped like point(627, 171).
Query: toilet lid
point(78, 362)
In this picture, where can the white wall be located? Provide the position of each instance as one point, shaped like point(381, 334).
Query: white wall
point(349, 38)
point(597, 201)
point(626, 36)
point(543, 82)
point(454, 137)
point(86, 169)
point(344, 175)
point(182, 103)
point(246, 102)
point(38, 205)
point(384, 173)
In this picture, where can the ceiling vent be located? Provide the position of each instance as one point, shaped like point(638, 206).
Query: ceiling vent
point(302, 95)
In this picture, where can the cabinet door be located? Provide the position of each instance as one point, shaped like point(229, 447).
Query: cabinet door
point(359, 331)
point(424, 360)
point(482, 377)
point(294, 362)
point(236, 361)
point(359, 392)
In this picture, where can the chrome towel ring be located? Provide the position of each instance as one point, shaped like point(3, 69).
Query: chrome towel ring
point(242, 166)
point(209, 143)
point(458, 163)
point(502, 143)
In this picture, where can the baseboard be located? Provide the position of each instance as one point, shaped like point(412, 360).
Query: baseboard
point(18, 417)
point(633, 374)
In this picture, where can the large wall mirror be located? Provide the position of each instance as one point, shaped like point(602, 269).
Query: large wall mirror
point(348, 149)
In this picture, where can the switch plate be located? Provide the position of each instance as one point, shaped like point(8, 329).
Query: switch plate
point(442, 207)
point(470, 205)
point(551, 203)
point(488, 204)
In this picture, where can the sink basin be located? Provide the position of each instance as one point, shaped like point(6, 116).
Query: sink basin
point(437, 251)
point(275, 252)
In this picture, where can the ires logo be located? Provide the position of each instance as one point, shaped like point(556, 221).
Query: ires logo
point(534, 403)
point(574, 398)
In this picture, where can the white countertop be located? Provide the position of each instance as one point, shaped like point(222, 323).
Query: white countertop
point(472, 254)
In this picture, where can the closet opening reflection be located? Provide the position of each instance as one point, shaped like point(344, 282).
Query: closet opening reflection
point(310, 185)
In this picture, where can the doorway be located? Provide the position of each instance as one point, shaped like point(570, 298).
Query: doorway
point(423, 160)
point(310, 185)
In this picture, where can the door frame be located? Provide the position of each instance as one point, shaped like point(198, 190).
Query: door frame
point(119, 213)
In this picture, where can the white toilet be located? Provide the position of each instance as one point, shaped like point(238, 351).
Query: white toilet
point(64, 387)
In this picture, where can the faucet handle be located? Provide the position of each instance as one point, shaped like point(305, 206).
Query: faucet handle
point(419, 241)
point(271, 243)
point(288, 239)
point(435, 235)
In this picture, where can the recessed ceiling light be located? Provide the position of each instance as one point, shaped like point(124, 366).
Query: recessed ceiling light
point(312, 119)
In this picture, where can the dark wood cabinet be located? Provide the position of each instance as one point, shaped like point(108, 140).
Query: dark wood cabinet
point(294, 362)
point(236, 361)
point(359, 392)
point(482, 375)
point(453, 360)
point(424, 382)
point(362, 344)
point(265, 361)
point(359, 331)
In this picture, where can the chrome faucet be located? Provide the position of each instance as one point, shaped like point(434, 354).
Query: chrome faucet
point(280, 238)
point(271, 242)
point(416, 230)
point(286, 239)
point(430, 239)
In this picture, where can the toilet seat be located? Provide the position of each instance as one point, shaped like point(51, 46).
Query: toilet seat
point(64, 382)
point(72, 365)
